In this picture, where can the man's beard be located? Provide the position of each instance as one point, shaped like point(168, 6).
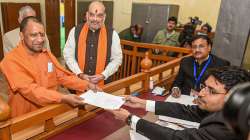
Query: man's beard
point(32, 48)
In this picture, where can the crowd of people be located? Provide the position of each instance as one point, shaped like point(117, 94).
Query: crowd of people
point(93, 53)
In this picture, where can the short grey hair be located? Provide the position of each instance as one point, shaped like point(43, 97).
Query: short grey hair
point(24, 10)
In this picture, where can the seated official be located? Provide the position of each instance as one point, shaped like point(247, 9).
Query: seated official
point(208, 112)
point(192, 69)
point(34, 74)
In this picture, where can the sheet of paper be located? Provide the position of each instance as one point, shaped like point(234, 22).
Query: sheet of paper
point(103, 100)
point(169, 125)
point(183, 99)
point(158, 90)
point(136, 136)
point(184, 123)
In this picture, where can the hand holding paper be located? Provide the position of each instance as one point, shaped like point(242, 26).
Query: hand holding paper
point(135, 102)
point(103, 100)
point(120, 114)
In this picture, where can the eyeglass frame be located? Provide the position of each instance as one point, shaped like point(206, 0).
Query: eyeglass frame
point(197, 47)
point(209, 89)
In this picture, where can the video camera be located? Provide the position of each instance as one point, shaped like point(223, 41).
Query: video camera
point(237, 110)
point(195, 21)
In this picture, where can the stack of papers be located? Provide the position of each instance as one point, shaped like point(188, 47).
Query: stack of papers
point(169, 125)
point(179, 122)
point(158, 91)
point(175, 123)
point(183, 99)
point(170, 122)
point(103, 100)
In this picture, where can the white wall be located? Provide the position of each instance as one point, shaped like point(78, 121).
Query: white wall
point(207, 10)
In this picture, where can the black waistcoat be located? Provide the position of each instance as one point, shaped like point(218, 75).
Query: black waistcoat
point(92, 47)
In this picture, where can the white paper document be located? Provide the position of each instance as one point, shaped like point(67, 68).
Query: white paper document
point(183, 123)
point(170, 125)
point(103, 100)
point(183, 99)
point(158, 90)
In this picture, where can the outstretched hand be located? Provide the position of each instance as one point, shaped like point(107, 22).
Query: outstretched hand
point(135, 102)
point(120, 114)
point(72, 100)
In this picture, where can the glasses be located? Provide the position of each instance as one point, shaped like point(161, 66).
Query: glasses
point(198, 47)
point(209, 89)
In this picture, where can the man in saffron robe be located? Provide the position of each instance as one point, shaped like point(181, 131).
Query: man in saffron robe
point(34, 74)
point(93, 51)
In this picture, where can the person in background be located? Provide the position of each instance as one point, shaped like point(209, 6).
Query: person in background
point(93, 51)
point(34, 74)
point(12, 38)
point(133, 33)
point(206, 29)
point(208, 112)
point(167, 36)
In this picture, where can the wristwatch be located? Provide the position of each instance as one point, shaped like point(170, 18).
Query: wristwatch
point(129, 119)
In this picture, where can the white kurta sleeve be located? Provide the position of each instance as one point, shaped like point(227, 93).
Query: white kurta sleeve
point(69, 53)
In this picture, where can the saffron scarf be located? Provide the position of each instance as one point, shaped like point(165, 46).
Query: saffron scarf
point(101, 50)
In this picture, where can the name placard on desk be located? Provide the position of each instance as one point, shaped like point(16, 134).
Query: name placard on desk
point(170, 122)
point(178, 124)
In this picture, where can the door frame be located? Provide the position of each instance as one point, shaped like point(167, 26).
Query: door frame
point(1, 45)
point(52, 13)
point(69, 16)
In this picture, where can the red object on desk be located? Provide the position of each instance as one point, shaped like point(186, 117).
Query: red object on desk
point(102, 125)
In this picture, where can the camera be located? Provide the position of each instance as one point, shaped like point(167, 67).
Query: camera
point(237, 110)
point(195, 21)
point(186, 36)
